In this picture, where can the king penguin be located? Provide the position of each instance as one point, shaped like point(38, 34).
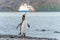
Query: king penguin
point(23, 25)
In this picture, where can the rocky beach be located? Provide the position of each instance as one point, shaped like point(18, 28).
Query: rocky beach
point(16, 37)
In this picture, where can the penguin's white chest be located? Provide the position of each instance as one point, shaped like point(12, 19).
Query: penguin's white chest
point(23, 27)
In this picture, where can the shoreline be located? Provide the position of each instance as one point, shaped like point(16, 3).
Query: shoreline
point(17, 37)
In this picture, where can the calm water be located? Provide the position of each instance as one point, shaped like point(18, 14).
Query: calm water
point(9, 22)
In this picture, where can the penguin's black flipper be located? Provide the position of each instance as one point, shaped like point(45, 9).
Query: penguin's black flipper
point(19, 25)
point(19, 33)
point(28, 25)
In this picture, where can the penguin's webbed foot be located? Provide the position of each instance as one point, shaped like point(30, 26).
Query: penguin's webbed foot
point(24, 34)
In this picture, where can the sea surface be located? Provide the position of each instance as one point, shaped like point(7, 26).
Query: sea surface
point(42, 24)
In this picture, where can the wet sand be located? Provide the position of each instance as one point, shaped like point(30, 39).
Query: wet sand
point(24, 39)
point(16, 37)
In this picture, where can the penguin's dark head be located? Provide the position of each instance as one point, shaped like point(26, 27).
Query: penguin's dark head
point(23, 15)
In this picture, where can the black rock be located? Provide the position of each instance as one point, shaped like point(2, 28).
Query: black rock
point(56, 32)
point(43, 30)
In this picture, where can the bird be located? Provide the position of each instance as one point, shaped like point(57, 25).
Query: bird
point(23, 25)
